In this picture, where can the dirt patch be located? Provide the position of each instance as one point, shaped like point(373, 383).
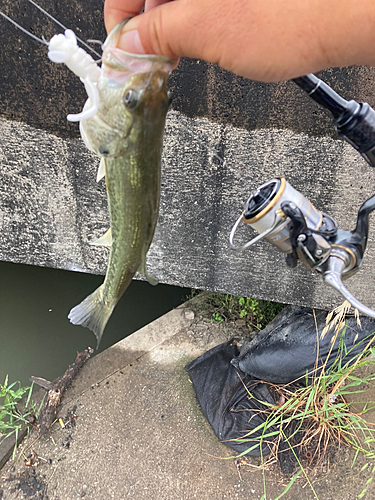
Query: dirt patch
point(29, 477)
point(28, 484)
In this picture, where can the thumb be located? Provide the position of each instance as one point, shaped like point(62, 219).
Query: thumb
point(173, 29)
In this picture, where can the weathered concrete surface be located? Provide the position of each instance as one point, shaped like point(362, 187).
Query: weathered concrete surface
point(140, 434)
point(51, 207)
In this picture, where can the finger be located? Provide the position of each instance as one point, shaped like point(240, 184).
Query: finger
point(151, 4)
point(118, 10)
point(173, 29)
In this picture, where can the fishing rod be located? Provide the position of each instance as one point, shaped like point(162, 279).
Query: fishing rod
point(285, 218)
point(354, 121)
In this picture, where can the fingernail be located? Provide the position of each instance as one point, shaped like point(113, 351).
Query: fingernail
point(130, 42)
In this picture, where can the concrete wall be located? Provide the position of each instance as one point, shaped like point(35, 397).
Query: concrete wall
point(51, 206)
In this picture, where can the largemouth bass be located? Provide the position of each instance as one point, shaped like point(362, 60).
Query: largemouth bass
point(127, 133)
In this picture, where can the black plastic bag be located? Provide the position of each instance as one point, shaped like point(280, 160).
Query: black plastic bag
point(230, 384)
point(286, 350)
point(222, 393)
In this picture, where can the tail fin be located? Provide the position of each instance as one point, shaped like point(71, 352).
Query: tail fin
point(92, 313)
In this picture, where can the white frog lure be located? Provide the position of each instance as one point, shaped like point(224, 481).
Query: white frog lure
point(63, 48)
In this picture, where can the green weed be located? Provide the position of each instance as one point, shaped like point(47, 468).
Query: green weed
point(217, 317)
point(256, 313)
point(16, 413)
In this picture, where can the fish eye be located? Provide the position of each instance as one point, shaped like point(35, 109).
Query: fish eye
point(131, 99)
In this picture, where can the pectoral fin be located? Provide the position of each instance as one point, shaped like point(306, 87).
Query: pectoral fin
point(101, 170)
point(104, 241)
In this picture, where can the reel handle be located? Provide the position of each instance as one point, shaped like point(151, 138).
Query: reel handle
point(332, 276)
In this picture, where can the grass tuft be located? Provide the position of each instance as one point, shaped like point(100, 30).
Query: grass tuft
point(315, 420)
point(16, 412)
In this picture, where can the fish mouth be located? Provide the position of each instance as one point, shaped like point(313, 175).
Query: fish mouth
point(121, 60)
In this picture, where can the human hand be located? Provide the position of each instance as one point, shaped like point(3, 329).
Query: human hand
point(262, 40)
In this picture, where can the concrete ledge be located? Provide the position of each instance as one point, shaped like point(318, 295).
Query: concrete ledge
point(130, 349)
point(112, 360)
point(48, 215)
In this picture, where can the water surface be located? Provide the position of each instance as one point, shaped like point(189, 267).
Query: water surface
point(36, 338)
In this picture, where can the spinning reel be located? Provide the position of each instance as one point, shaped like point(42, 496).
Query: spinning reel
point(286, 219)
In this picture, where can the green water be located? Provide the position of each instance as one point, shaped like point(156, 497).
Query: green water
point(36, 338)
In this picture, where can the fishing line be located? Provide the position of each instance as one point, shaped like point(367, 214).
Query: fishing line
point(44, 42)
point(62, 26)
point(97, 42)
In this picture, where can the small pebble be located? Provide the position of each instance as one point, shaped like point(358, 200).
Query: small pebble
point(189, 314)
